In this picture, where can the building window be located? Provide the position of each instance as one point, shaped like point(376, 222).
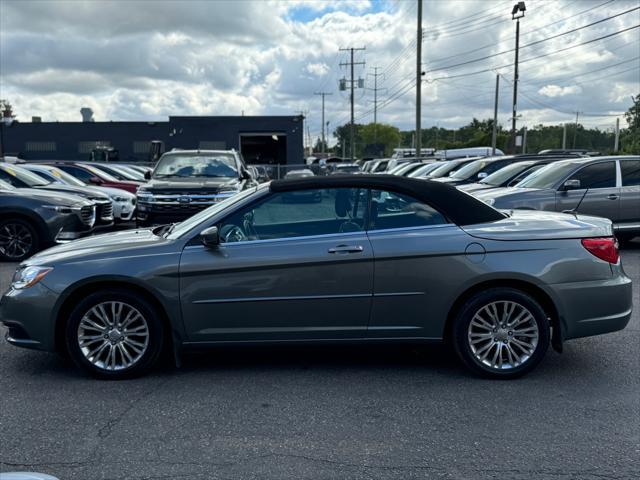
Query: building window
point(89, 145)
point(212, 145)
point(40, 146)
point(141, 147)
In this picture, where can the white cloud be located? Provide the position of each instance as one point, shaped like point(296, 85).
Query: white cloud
point(147, 59)
point(557, 91)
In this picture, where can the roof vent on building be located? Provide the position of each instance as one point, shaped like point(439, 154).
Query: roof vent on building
point(87, 114)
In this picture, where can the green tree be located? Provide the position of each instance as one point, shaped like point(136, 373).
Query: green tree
point(630, 137)
point(387, 137)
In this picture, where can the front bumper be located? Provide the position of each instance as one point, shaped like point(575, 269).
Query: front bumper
point(594, 308)
point(27, 314)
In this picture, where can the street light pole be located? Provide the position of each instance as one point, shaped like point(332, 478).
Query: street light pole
point(516, 14)
point(419, 83)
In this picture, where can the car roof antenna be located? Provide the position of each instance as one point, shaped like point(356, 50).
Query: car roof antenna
point(574, 210)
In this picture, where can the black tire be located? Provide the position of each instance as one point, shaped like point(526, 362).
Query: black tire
point(462, 333)
point(146, 360)
point(8, 227)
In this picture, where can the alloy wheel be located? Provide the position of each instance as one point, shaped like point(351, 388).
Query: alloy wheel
point(16, 240)
point(503, 335)
point(113, 335)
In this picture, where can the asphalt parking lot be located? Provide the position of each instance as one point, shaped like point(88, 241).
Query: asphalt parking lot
point(324, 413)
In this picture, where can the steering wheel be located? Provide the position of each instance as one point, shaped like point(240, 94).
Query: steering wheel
point(232, 233)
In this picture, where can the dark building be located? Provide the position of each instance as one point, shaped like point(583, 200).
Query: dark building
point(262, 140)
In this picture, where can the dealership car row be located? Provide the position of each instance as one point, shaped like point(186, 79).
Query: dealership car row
point(51, 202)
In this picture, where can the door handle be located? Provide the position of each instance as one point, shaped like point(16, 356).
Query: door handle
point(347, 249)
point(612, 196)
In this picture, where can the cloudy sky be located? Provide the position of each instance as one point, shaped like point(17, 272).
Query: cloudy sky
point(146, 60)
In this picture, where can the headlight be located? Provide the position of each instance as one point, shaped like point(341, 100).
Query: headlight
point(63, 209)
point(119, 199)
point(29, 276)
point(489, 201)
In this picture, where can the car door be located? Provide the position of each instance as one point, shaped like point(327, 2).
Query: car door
point(630, 194)
point(293, 266)
point(419, 256)
point(599, 193)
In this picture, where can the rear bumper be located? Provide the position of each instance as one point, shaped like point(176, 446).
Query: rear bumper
point(594, 308)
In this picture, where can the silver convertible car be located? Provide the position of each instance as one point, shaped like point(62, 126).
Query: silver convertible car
point(378, 259)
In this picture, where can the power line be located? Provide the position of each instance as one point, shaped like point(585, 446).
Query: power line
point(467, 52)
point(539, 56)
point(537, 42)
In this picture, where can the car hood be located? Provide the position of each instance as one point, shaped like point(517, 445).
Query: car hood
point(475, 187)
point(52, 197)
point(80, 191)
point(127, 242)
point(116, 192)
point(192, 183)
point(541, 225)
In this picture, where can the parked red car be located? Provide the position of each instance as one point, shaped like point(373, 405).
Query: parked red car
point(95, 176)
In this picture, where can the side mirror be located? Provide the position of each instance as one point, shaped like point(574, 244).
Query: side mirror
point(209, 237)
point(482, 175)
point(245, 175)
point(94, 181)
point(147, 175)
point(572, 184)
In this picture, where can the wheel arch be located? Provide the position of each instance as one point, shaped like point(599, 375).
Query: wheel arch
point(68, 299)
point(29, 216)
point(535, 291)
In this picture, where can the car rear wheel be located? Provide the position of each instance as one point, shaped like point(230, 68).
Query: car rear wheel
point(501, 333)
point(113, 334)
point(18, 240)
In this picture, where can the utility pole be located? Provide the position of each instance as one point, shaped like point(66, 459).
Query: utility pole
point(419, 83)
point(323, 94)
point(352, 129)
point(516, 14)
point(375, 90)
point(575, 130)
point(564, 136)
point(616, 142)
point(494, 134)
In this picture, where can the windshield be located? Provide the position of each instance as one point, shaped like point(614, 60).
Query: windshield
point(212, 165)
point(65, 177)
point(422, 171)
point(101, 173)
point(25, 176)
point(470, 169)
point(445, 169)
point(547, 177)
point(505, 174)
point(128, 173)
point(182, 228)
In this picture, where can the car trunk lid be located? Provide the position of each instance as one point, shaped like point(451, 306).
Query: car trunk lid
point(539, 225)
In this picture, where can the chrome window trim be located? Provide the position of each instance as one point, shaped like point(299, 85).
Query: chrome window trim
point(328, 235)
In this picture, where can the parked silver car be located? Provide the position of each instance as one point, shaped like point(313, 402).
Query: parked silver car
point(608, 187)
point(379, 258)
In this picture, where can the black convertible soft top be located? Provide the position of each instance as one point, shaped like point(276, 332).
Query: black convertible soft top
point(459, 207)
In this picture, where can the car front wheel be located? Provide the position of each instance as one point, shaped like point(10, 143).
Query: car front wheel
point(18, 240)
point(501, 333)
point(113, 334)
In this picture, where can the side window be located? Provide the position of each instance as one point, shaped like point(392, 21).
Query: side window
point(77, 172)
point(298, 213)
point(630, 172)
point(598, 175)
point(10, 179)
point(394, 210)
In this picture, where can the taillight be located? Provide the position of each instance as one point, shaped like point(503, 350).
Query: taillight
point(604, 248)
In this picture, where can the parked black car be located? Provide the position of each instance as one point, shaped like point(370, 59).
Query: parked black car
point(31, 220)
point(22, 178)
point(185, 182)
